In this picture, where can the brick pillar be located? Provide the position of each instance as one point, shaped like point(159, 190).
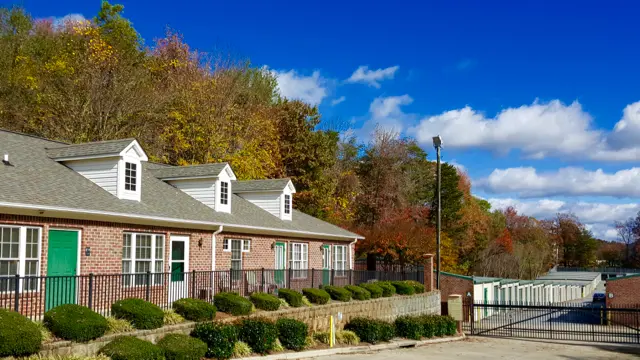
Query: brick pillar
point(428, 273)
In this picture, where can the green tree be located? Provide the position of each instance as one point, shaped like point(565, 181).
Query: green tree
point(452, 199)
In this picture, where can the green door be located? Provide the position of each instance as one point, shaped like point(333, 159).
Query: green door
point(62, 262)
point(326, 264)
point(280, 263)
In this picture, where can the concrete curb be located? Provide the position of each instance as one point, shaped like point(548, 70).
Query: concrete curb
point(357, 349)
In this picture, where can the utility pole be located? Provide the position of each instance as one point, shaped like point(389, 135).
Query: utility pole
point(437, 143)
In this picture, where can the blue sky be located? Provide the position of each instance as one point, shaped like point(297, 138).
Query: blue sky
point(530, 98)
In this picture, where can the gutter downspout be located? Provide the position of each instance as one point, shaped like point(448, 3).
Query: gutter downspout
point(351, 253)
point(213, 247)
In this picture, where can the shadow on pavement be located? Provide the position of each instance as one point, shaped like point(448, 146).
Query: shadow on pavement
point(628, 349)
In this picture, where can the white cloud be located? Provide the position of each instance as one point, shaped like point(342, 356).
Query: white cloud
point(386, 113)
point(457, 165)
point(568, 181)
point(372, 77)
point(597, 216)
point(538, 130)
point(311, 89)
point(337, 101)
point(69, 18)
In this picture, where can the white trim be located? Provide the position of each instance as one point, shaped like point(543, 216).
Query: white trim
point(87, 157)
point(22, 252)
point(133, 259)
point(42, 208)
point(213, 247)
point(351, 253)
point(185, 239)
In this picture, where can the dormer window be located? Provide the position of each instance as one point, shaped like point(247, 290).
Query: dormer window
point(287, 204)
point(130, 176)
point(224, 193)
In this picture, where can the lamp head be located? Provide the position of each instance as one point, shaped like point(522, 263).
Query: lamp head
point(437, 141)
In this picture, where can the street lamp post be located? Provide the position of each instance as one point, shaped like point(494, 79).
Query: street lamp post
point(437, 143)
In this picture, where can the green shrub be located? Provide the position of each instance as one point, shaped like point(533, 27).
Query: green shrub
point(265, 301)
point(18, 335)
point(131, 348)
point(306, 302)
point(373, 289)
point(371, 330)
point(428, 326)
point(321, 337)
point(450, 326)
point(195, 309)
point(241, 349)
point(419, 288)
point(292, 333)
point(436, 325)
point(387, 289)
point(172, 318)
point(47, 336)
point(358, 292)
point(292, 297)
point(182, 347)
point(283, 303)
point(117, 326)
point(409, 327)
point(402, 288)
point(141, 314)
point(338, 293)
point(310, 342)
point(317, 296)
point(277, 346)
point(347, 337)
point(232, 303)
point(75, 322)
point(259, 333)
point(220, 339)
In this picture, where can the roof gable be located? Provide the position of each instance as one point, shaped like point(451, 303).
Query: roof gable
point(98, 149)
point(193, 171)
point(263, 185)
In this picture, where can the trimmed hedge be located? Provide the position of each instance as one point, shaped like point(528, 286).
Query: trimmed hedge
point(293, 298)
point(292, 333)
point(338, 293)
point(220, 339)
point(182, 347)
point(232, 303)
point(437, 325)
point(373, 289)
point(131, 348)
point(387, 289)
point(18, 335)
point(419, 288)
point(358, 292)
point(317, 296)
point(410, 327)
point(371, 330)
point(195, 309)
point(265, 301)
point(143, 315)
point(75, 322)
point(259, 333)
point(402, 288)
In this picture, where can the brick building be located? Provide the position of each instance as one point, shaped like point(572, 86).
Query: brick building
point(623, 291)
point(103, 208)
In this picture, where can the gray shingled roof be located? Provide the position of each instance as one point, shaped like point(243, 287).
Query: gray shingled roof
point(37, 180)
point(112, 147)
point(174, 172)
point(259, 185)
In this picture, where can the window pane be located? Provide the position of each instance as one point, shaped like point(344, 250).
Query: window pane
point(159, 247)
point(143, 247)
point(126, 266)
point(126, 246)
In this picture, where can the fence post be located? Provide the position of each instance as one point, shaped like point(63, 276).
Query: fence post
point(313, 275)
point(333, 275)
point(193, 284)
point(90, 300)
point(289, 282)
point(351, 277)
point(264, 289)
point(147, 294)
point(230, 279)
point(17, 297)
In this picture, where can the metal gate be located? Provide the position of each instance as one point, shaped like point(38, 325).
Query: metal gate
point(577, 322)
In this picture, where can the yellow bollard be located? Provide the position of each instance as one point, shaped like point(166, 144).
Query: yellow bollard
point(331, 331)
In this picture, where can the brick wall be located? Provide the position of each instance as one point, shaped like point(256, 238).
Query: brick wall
point(450, 285)
point(625, 292)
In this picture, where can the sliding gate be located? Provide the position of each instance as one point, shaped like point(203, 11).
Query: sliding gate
point(577, 322)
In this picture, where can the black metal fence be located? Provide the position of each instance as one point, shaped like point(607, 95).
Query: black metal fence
point(32, 296)
point(566, 321)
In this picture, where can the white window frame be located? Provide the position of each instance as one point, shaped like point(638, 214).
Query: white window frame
point(133, 281)
point(299, 260)
point(133, 179)
point(340, 265)
point(226, 245)
point(22, 259)
point(246, 246)
point(287, 204)
point(224, 196)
